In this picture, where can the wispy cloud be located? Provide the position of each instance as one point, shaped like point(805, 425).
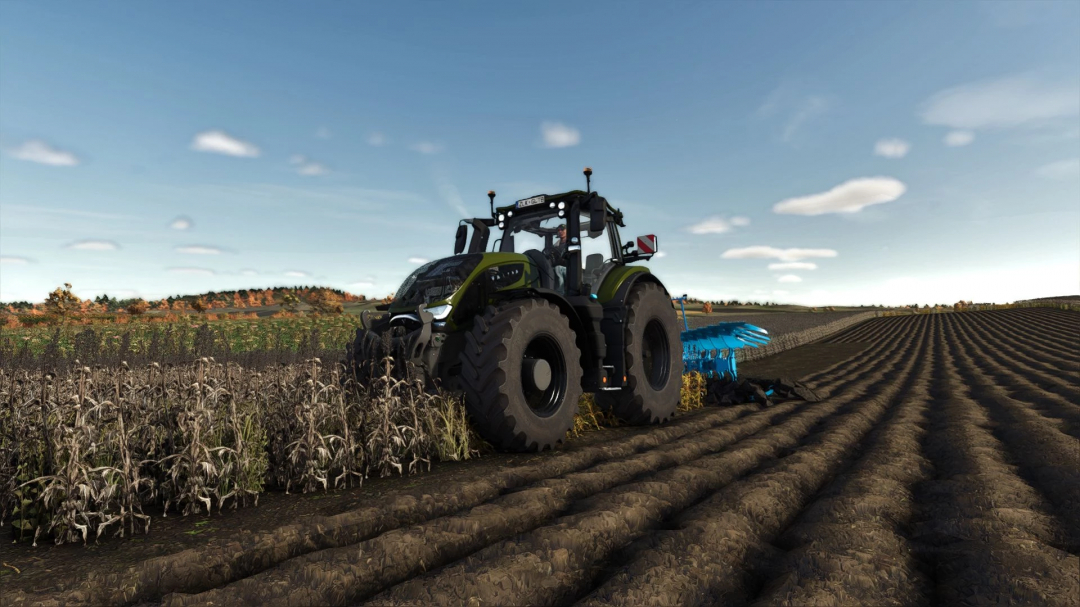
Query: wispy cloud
point(767, 252)
point(248, 272)
point(1005, 102)
point(418, 260)
point(15, 260)
point(810, 107)
point(789, 278)
point(1062, 169)
point(363, 284)
point(559, 135)
point(198, 250)
point(297, 274)
point(40, 152)
point(427, 147)
point(93, 245)
point(305, 166)
point(659, 254)
point(955, 139)
point(793, 265)
point(323, 133)
point(193, 271)
point(181, 223)
point(848, 197)
point(377, 139)
point(892, 148)
point(718, 225)
point(779, 292)
point(220, 142)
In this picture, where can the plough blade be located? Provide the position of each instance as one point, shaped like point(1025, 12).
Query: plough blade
point(711, 350)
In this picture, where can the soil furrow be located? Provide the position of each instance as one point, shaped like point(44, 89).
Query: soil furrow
point(851, 546)
point(1044, 331)
point(867, 331)
point(341, 575)
point(1065, 322)
point(985, 528)
point(1051, 360)
point(1046, 456)
point(1062, 410)
point(1015, 357)
point(883, 334)
point(542, 568)
point(837, 374)
point(718, 551)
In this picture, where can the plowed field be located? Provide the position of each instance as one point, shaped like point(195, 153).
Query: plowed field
point(942, 468)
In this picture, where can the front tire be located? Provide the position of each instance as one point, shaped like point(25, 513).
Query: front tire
point(521, 374)
point(654, 363)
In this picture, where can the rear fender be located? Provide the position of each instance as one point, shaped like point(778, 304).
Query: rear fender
point(614, 321)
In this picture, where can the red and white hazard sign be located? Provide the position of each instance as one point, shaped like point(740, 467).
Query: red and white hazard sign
point(647, 244)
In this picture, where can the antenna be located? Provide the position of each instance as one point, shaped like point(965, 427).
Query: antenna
point(588, 176)
point(491, 201)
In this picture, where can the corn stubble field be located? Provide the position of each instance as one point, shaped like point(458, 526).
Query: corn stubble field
point(942, 467)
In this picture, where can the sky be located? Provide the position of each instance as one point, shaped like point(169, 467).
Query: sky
point(813, 153)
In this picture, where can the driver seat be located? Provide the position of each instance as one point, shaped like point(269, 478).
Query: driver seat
point(547, 273)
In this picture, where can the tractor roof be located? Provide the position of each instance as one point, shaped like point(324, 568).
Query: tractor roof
point(539, 204)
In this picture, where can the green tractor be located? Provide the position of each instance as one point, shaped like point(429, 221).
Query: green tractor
point(526, 322)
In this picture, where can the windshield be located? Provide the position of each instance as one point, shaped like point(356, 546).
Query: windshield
point(538, 233)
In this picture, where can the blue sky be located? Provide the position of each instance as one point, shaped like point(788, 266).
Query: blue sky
point(815, 153)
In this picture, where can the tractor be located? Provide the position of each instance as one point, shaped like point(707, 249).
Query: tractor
point(539, 305)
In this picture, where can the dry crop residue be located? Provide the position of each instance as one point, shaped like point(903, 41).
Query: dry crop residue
point(941, 468)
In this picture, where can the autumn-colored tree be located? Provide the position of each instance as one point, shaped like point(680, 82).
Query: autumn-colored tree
point(200, 305)
point(138, 307)
point(325, 301)
point(289, 301)
point(707, 307)
point(62, 302)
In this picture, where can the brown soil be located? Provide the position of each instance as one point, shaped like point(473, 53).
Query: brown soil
point(941, 468)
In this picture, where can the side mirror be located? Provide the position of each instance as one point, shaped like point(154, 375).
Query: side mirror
point(459, 240)
point(597, 214)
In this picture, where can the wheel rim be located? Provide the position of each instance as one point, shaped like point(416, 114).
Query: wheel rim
point(545, 402)
point(655, 354)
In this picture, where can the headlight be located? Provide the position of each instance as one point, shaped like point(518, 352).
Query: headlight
point(502, 217)
point(562, 205)
point(439, 312)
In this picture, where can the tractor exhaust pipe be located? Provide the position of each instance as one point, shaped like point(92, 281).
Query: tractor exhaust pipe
point(588, 179)
point(491, 202)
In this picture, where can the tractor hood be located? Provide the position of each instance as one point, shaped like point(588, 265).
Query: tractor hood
point(443, 279)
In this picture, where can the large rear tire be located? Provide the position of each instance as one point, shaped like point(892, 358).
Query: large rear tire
point(654, 363)
point(521, 374)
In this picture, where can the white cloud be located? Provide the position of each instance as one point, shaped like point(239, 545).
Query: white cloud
point(1004, 102)
point(955, 139)
point(42, 153)
point(892, 148)
point(779, 292)
point(323, 133)
point(297, 159)
point(559, 135)
point(94, 245)
point(376, 139)
point(297, 274)
point(766, 252)
point(848, 197)
point(659, 254)
point(718, 225)
point(793, 265)
point(195, 271)
point(427, 147)
point(789, 278)
point(313, 169)
point(418, 260)
point(248, 273)
point(220, 142)
point(181, 223)
point(1062, 169)
point(198, 250)
point(14, 260)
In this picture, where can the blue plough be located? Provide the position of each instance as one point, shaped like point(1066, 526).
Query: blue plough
point(711, 350)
